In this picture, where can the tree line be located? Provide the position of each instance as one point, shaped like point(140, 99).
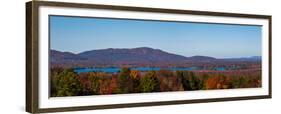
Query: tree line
point(66, 82)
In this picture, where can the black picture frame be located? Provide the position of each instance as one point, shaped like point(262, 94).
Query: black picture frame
point(32, 53)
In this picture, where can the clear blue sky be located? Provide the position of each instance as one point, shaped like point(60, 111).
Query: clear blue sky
point(74, 34)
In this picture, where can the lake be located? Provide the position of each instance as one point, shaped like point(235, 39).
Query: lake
point(143, 69)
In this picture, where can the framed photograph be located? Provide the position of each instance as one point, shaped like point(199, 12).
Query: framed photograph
point(86, 56)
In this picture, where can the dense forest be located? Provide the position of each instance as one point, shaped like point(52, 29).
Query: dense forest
point(67, 82)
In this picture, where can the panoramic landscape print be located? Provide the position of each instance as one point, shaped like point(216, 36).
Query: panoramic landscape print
point(101, 56)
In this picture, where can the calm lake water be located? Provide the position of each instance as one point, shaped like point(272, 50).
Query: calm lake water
point(116, 69)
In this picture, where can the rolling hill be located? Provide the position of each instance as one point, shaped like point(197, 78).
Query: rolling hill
point(142, 56)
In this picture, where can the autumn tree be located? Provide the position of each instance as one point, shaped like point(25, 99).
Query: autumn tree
point(149, 82)
point(86, 83)
point(135, 77)
point(169, 81)
point(55, 71)
point(125, 82)
point(239, 82)
point(67, 84)
point(95, 83)
point(105, 85)
point(217, 82)
point(203, 81)
point(189, 80)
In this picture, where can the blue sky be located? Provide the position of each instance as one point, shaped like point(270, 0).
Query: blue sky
point(75, 34)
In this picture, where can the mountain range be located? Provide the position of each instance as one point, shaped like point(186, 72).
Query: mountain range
point(142, 56)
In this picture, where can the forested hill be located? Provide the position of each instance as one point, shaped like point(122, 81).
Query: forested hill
point(142, 56)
